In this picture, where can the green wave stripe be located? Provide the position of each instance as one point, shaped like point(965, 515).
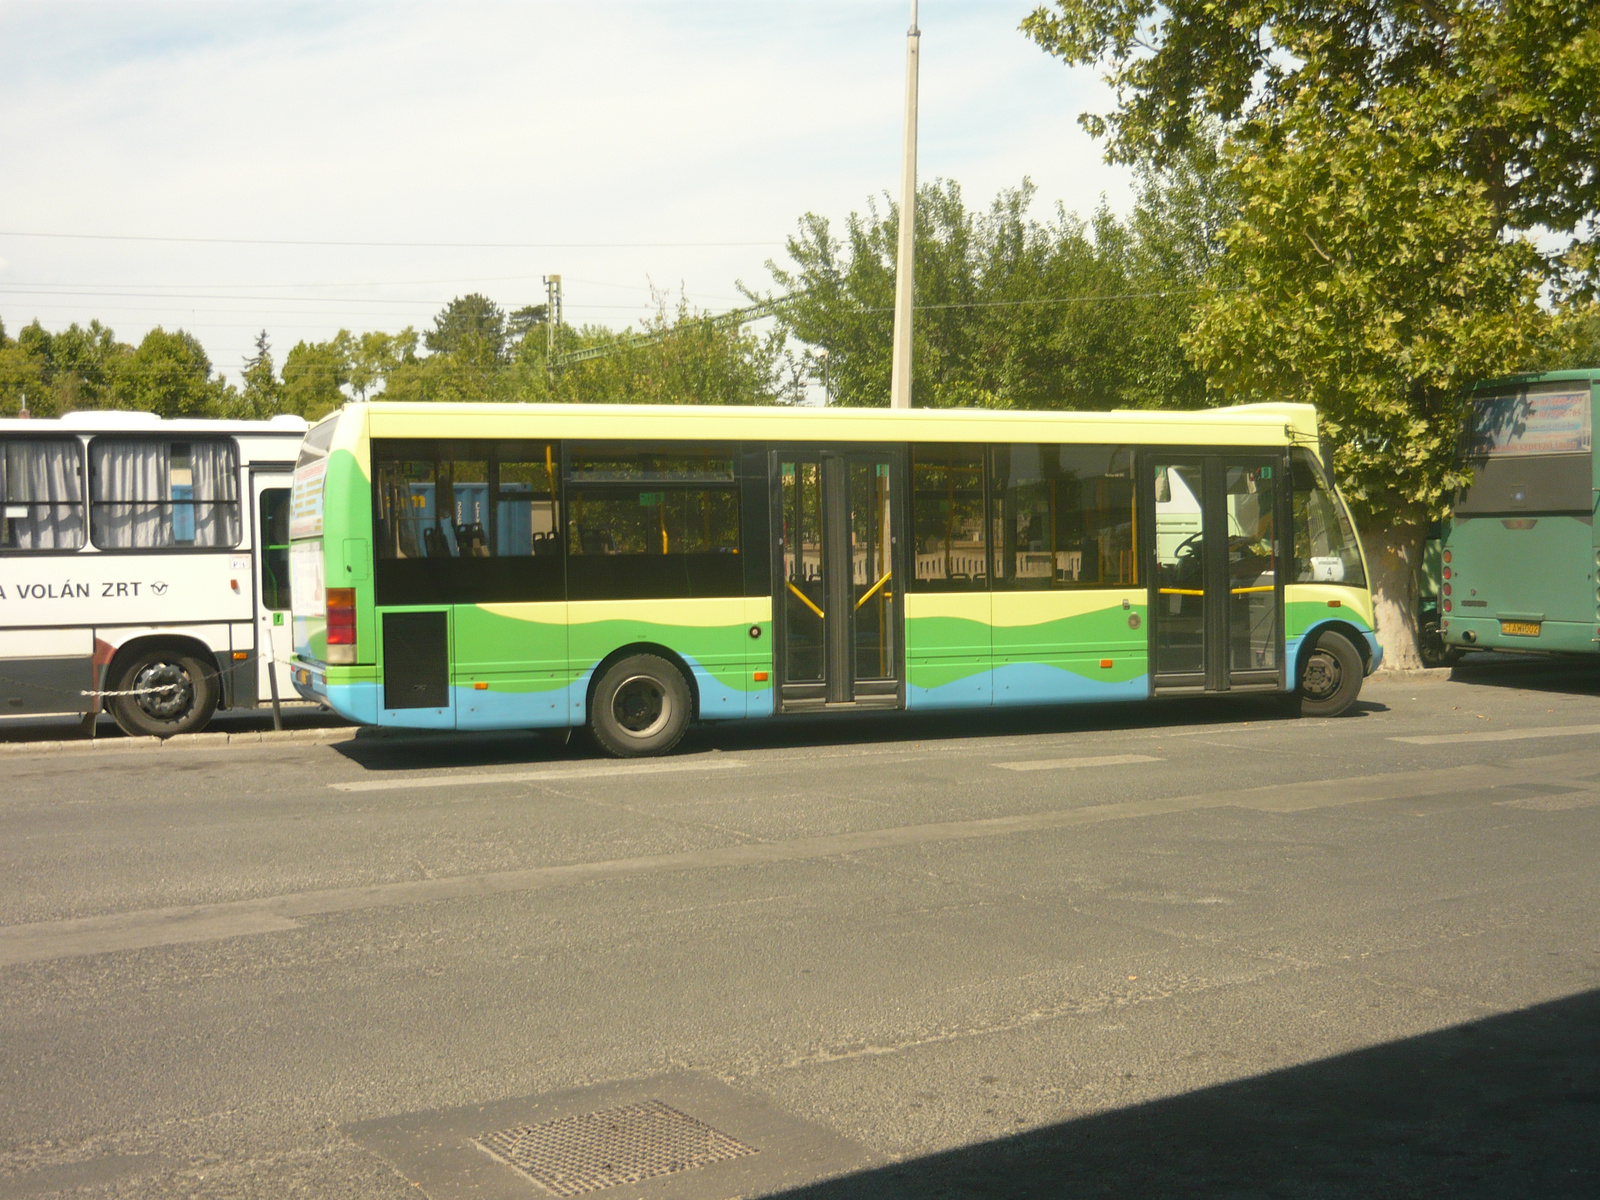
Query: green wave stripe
point(1301, 615)
point(942, 650)
point(552, 655)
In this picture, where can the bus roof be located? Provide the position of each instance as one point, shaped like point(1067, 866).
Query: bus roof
point(117, 421)
point(1252, 424)
point(1588, 375)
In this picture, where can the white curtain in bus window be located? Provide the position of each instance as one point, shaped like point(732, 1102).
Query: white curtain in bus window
point(1325, 549)
point(149, 493)
point(42, 485)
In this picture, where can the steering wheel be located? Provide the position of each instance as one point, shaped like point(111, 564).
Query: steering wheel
point(1178, 551)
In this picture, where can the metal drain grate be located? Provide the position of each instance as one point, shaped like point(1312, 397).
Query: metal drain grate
point(627, 1144)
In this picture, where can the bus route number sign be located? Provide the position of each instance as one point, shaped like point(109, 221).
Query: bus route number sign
point(1520, 628)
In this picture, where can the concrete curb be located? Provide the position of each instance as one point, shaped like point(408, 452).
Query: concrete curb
point(186, 741)
point(324, 736)
point(1411, 675)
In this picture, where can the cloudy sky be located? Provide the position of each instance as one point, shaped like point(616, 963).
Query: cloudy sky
point(228, 167)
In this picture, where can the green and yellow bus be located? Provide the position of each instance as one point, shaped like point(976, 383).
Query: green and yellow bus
point(634, 569)
point(1518, 568)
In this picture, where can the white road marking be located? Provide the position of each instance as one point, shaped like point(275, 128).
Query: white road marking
point(1497, 735)
point(490, 779)
point(1067, 764)
point(1557, 803)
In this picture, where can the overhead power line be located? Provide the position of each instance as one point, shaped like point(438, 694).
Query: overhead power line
point(215, 241)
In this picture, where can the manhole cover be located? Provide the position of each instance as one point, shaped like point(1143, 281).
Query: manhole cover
point(627, 1144)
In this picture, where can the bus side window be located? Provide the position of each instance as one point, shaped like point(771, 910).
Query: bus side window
point(152, 492)
point(466, 522)
point(1063, 516)
point(653, 520)
point(41, 485)
point(275, 549)
point(951, 551)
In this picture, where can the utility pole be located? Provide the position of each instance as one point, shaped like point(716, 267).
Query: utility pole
point(905, 265)
point(552, 321)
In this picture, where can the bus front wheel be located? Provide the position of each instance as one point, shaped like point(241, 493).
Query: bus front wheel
point(163, 693)
point(641, 707)
point(1330, 678)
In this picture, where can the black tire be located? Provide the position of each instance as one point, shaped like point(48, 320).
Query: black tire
point(1433, 649)
point(1330, 676)
point(641, 707)
point(187, 698)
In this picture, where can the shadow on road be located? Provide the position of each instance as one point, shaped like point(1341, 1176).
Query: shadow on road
point(403, 750)
point(1508, 1106)
point(1530, 672)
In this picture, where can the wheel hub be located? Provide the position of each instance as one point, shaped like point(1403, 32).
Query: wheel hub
point(165, 690)
point(1322, 675)
point(641, 705)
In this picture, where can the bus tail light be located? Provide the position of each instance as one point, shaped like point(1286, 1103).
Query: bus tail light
point(341, 625)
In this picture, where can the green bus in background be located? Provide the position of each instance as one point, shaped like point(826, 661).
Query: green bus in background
point(1518, 564)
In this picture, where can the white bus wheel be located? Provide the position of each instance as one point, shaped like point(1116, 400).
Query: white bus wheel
point(163, 693)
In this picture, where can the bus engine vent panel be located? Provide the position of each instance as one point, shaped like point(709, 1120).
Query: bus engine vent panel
point(416, 660)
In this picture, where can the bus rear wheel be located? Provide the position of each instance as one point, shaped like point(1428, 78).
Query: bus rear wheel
point(641, 707)
point(165, 693)
point(1330, 677)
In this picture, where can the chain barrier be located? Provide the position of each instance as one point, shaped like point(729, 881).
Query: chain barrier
point(158, 689)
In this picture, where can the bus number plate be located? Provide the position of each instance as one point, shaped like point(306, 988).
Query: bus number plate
point(1520, 628)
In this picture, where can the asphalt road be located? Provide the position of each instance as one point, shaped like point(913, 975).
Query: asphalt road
point(1194, 949)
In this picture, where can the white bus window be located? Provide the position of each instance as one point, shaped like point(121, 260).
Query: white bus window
point(41, 482)
point(147, 493)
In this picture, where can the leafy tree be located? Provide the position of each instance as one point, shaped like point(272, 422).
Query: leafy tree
point(473, 324)
point(170, 375)
point(1574, 341)
point(1391, 159)
point(524, 321)
point(22, 377)
point(314, 376)
point(76, 368)
point(261, 395)
point(682, 356)
point(375, 356)
point(1010, 312)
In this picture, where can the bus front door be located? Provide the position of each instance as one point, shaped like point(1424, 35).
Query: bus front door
point(1219, 524)
point(837, 608)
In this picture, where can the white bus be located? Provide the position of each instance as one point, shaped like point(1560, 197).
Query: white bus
point(144, 567)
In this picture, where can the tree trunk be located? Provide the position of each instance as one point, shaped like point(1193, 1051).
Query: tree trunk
point(1394, 556)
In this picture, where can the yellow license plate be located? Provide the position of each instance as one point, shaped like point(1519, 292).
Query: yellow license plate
point(1520, 628)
